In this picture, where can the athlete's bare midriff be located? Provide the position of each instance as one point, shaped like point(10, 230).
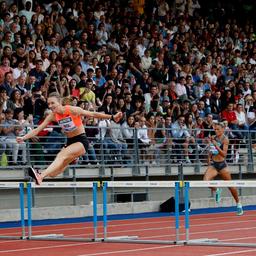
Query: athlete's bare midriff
point(76, 132)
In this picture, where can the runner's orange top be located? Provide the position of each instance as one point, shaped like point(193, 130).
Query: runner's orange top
point(68, 121)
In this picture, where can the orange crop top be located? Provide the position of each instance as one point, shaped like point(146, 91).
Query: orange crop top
point(67, 121)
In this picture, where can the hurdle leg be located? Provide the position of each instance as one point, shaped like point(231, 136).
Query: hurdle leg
point(187, 217)
point(22, 211)
point(29, 207)
point(105, 210)
point(95, 186)
point(177, 212)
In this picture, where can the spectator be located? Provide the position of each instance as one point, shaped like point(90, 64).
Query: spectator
point(11, 128)
point(114, 143)
point(4, 68)
point(38, 73)
point(17, 100)
point(86, 93)
point(143, 139)
point(242, 120)
point(230, 115)
point(3, 145)
point(108, 106)
point(8, 83)
point(181, 137)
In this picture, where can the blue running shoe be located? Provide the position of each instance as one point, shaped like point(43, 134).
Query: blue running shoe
point(218, 195)
point(239, 210)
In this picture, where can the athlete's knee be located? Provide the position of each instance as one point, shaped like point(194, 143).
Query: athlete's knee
point(64, 158)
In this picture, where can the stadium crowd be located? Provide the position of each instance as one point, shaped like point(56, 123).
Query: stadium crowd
point(165, 64)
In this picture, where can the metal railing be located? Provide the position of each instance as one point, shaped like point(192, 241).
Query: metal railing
point(106, 153)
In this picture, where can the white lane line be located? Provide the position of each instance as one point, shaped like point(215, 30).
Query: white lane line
point(47, 247)
point(131, 250)
point(230, 253)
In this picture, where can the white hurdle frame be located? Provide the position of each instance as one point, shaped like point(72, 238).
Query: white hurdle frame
point(20, 186)
point(60, 237)
point(141, 184)
point(207, 184)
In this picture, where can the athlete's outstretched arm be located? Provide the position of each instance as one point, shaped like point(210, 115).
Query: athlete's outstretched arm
point(82, 112)
point(35, 131)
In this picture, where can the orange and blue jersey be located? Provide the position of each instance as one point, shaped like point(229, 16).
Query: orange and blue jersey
point(68, 121)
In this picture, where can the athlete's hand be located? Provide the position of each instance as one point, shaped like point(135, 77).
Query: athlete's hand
point(118, 116)
point(214, 142)
point(19, 139)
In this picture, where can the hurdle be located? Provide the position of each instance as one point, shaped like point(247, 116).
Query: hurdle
point(61, 237)
point(207, 184)
point(20, 186)
point(141, 184)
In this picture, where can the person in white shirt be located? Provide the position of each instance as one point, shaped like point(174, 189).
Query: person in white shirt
point(143, 139)
point(27, 11)
point(241, 117)
point(163, 9)
point(180, 89)
point(181, 137)
point(19, 70)
point(146, 61)
point(141, 46)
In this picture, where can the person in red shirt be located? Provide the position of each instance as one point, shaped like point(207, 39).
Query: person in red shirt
point(230, 115)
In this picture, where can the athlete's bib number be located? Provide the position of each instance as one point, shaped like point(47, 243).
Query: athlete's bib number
point(67, 124)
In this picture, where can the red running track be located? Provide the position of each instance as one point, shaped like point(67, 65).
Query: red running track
point(227, 227)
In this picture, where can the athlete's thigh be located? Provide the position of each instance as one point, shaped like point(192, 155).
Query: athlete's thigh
point(210, 173)
point(225, 174)
point(73, 150)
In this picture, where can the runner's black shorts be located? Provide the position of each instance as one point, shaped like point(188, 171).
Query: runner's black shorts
point(79, 138)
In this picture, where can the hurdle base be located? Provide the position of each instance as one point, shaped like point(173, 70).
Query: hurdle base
point(221, 244)
point(135, 240)
point(60, 237)
point(202, 240)
point(13, 237)
point(48, 235)
point(123, 237)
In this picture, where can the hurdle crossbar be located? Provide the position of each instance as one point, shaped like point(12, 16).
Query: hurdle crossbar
point(61, 237)
point(217, 183)
point(141, 184)
point(20, 186)
point(222, 183)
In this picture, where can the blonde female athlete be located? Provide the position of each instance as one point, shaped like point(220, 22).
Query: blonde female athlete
point(70, 120)
point(218, 152)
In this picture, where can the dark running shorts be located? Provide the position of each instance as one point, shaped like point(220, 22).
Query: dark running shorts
point(219, 165)
point(79, 138)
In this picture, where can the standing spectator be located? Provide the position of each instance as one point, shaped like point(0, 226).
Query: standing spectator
point(11, 128)
point(181, 137)
point(38, 73)
point(27, 11)
point(230, 115)
point(242, 119)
